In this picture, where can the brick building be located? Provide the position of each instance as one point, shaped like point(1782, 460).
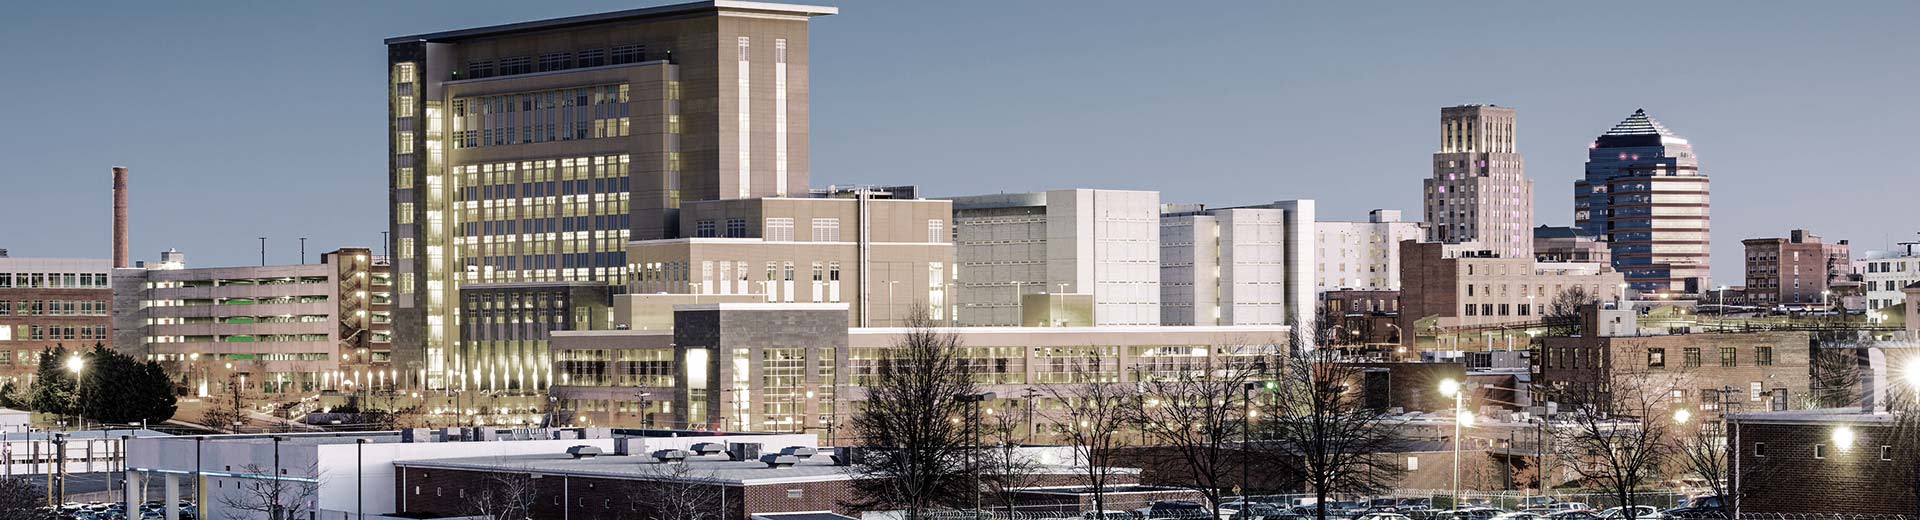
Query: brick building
point(1822, 461)
point(1454, 287)
point(1767, 369)
point(46, 302)
point(1797, 271)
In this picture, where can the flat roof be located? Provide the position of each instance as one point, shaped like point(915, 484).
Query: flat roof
point(709, 468)
point(1815, 416)
point(615, 16)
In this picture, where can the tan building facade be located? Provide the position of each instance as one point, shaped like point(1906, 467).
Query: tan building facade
point(1479, 191)
point(884, 258)
point(798, 367)
point(1765, 370)
point(1461, 286)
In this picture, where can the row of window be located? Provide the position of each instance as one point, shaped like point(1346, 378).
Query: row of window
point(1690, 357)
point(53, 308)
point(52, 332)
point(615, 55)
point(1822, 451)
point(53, 281)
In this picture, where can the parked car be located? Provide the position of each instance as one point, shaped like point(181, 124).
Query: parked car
point(1536, 502)
point(1107, 515)
point(1384, 516)
point(1472, 513)
point(1639, 513)
point(1699, 508)
point(1577, 514)
point(1414, 504)
point(1174, 510)
point(1252, 511)
point(1520, 515)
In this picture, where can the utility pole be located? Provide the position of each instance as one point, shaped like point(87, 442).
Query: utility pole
point(263, 251)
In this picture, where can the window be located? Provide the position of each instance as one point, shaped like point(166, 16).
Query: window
point(826, 230)
point(1690, 357)
point(1763, 356)
point(555, 61)
point(1754, 391)
point(1759, 449)
point(623, 54)
point(779, 230)
point(1413, 463)
point(936, 231)
point(1886, 452)
point(736, 228)
point(705, 228)
point(592, 58)
point(1727, 356)
point(1656, 358)
point(1819, 451)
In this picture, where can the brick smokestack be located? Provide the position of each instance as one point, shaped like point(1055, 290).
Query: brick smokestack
point(119, 216)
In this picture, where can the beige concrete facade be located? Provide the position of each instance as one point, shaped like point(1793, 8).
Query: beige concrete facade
point(884, 258)
point(789, 359)
point(534, 152)
point(1080, 241)
point(1461, 286)
point(280, 328)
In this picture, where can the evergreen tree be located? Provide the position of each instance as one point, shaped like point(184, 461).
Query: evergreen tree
point(115, 388)
point(53, 385)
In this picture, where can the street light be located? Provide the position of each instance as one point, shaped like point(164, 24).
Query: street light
point(1843, 438)
point(1451, 388)
point(1681, 416)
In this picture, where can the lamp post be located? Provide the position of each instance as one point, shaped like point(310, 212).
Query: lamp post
point(75, 364)
point(976, 400)
point(360, 480)
point(1451, 388)
point(1246, 431)
point(646, 420)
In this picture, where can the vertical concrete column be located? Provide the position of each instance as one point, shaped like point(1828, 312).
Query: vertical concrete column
point(133, 490)
point(171, 498)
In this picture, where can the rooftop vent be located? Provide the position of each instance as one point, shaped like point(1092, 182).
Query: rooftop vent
point(709, 448)
point(670, 456)
point(779, 461)
point(802, 452)
point(583, 452)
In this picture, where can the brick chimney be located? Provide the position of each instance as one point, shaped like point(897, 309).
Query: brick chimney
point(119, 216)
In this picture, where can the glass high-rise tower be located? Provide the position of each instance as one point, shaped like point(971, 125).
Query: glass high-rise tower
point(1645, 195)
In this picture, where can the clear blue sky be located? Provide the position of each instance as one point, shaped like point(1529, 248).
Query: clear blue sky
point(244, 119)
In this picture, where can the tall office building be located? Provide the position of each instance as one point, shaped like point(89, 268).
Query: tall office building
point(1238, 266)
point(524, 158)
point(1645, 196)
point(1098, 242)
point(1479, 191)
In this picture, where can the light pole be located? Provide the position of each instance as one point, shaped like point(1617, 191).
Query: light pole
point(1246, 446)
point(646, 420)
point(976, 400)
point(360, 480)
point(1451, 388)
point(75, 364)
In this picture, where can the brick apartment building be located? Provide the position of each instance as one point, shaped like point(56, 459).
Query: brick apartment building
point(1462, 287)
point(1797, 271)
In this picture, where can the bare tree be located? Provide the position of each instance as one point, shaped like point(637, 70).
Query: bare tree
point(1836, 377)
point(918, 449)
point(507, 496)
point(1316, 425)
point(1618, 439)
point(1705, 454)
point(21, 500)
point(227, 413)
point(262, 494)
point(1090, 416)
point(1005, 468)
point(1562, 315)
point(677, 492)
point(1194, 415)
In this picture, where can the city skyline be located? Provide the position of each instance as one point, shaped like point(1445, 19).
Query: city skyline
point(890, 108)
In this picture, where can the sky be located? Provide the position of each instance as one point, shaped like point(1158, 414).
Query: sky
point(249, 119)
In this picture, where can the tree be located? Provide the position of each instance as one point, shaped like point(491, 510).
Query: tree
point(1562, 316)
point(1618, 439)
point(21, 500)
point(227, 413)
point(11, 396)
point(1091, 413)
point(1194, 415)
point(1317, 426)
point(917, 448)
point(1707, 455)
point(677, 492)
point(53, 385)
point(507, 496)
point(115, 388)
point(1006, 470)
point(261, 494)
